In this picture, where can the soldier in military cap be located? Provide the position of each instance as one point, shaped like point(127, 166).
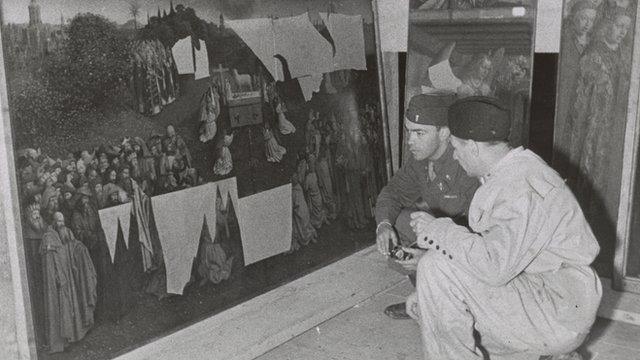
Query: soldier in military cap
point(520, 273)
point(431, 180)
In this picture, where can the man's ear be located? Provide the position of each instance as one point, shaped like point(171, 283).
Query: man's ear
point(473, 147)
point(444, 133)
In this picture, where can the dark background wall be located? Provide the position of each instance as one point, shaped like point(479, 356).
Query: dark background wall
point(543, 102)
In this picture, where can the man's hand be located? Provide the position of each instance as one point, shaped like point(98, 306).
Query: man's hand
point(412, 264)
point(384, 233)
point(412, 306)
point(420, 221)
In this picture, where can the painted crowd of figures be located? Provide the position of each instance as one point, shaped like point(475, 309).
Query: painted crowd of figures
point(338, 174)
point(61, 225)
point(154, 76)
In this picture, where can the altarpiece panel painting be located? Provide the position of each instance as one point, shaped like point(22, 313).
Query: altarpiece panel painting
point(175, 158)
point(472, 48)
point(591, 110)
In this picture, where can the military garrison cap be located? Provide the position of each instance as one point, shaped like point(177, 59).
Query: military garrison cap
point(429, 109)
point(479, 118)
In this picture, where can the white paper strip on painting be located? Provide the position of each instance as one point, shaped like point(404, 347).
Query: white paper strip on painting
point(309, 85)
point(109, 218)
point(394, 24)
point(202, 61)
point(265, 221)
point(258, 35)
point(183, 56)
point(304, 49)
point(348, 37)
point(179, 217)
point(229, 190)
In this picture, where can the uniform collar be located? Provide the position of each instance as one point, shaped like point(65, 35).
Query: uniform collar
point(504, 161)
point(445, 161)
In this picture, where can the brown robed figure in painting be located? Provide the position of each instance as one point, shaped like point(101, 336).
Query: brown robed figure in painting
point(69, 286)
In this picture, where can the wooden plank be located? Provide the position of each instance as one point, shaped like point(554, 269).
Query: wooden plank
point(17, 338)
point(616, 333)
point(487, 15)
point(619, 306)
point(629, 164)
point(362, 332)
point(392, 94)
point(262, 323)
point(386, 91)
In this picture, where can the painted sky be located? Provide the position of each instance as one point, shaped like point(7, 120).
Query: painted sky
point(16, 11)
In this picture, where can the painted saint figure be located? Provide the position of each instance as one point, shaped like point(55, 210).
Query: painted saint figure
point(273, 150)
point(69, 286)
point(284, 125)
point(209, 112)
point(597, 123)
point(312, 192)
point(594, 113)
point(303, 231)
point(576, 36)
point(224, 163)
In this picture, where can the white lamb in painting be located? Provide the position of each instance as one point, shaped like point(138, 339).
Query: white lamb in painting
point(243, 81)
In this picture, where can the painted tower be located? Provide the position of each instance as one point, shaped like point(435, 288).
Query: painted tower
point(34, 14)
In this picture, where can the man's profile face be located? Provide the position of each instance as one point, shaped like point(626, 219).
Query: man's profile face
point(464, 156)
point(423, 140)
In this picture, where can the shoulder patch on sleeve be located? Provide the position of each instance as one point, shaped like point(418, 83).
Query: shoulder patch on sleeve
point(544, 183)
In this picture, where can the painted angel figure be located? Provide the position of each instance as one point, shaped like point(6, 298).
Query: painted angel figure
point(209, 112)
point(284, 125)
point(312, 191)
point(213, 264)
point(273, 150)
point(303, 231)
point(224, 163)
point(478, 75)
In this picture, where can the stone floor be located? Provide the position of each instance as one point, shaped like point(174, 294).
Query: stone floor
point(364, 332)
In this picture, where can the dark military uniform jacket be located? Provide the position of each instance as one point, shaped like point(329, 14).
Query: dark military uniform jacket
point(448, 194)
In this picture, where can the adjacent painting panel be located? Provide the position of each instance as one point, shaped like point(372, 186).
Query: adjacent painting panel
point(472, 48)
point(592, 109)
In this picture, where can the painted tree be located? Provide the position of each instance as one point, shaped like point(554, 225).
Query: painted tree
point(134, 10)
point(95, 65)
